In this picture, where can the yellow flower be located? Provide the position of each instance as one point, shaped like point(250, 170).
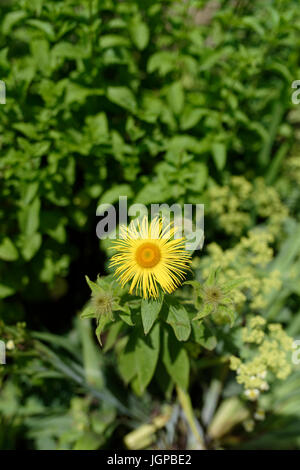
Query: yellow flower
point(149, 255)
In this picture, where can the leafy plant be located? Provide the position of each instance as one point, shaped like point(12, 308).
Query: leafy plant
point(162, 102)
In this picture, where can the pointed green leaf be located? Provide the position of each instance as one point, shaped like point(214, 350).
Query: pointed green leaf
point(230, 285)
point(195, 284)
point(150, 310)
point(126, 316)
point(219, 155)
point(88, 312)
point(6, 291)
point(175, 97)
point(102, 322)
point(207, 309)
point(123, 97)
point(112, 335)
point(95, 288)
point(8, 251)
point(126, 358)
point(175, 358)
point(91, 355)
point(30, 245)
point(202, 335)
point(179, 320)
point(146, 356)
point(139, 33)
point(29, 218)
point(212, 277)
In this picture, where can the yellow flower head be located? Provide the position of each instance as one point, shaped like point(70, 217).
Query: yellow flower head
point(149, 255)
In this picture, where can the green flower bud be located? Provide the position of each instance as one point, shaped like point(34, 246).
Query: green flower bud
point(102, 303)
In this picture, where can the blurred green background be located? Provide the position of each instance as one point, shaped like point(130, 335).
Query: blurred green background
point(161, 101)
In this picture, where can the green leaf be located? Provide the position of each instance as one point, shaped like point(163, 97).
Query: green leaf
point(11, 19)
point(126, 358)
point(150, 310)
point(179, 320)
point(191, 117)
point(112, 195)
point(202, 335)
point(153, 192)
point(231, 285)
point(91, 357)
point(112, 335)
point(123, 97)
point(207, 309)
point(139, 33)
point(8, 251)
point(162, 61)
point(196, 177)
point(97, 128)
point(30, 245)
point(276, 163)
point(88, 441)
point(102, 322)
point(103, 418)
point(30, 217)
point(265, 153)
point(175, 358)
point(47, 28)
point(88, 312)
point(146, 356)
point(219, 155)
point(163, 380)
point(176, 97)
point(253, 23)
point(126, 316)
point(212, 277)
point(95, 288)
point(195, 284)
point(6, 291)
point(26, 128)
point(66, 50)
point(113, 40)
point(30, 192)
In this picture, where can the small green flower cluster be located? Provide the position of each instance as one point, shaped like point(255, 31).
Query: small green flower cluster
point(227, 202)
point(237, 203)
point(268, 348)
point(248, 260)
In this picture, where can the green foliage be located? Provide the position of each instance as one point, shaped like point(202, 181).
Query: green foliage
point(31, 404)
point(162, 102)
point(102, 92)
point(145, 343)
point(149, 311)
point(179, 320)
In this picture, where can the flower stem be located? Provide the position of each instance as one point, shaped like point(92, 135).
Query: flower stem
point(185, 402)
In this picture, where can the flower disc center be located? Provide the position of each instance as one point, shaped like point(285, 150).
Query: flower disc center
point(148, 255)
